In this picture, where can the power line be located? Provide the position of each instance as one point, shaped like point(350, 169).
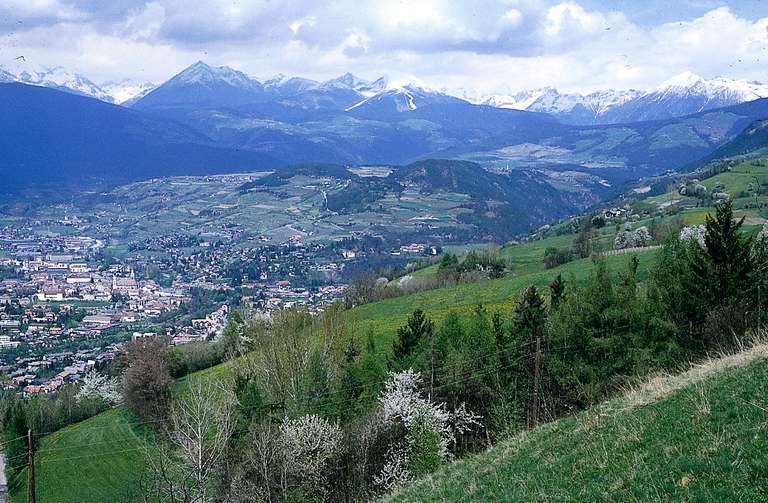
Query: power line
point(472, 374)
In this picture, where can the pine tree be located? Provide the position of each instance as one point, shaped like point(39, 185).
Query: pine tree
point(418, 327)
point(315, 391)
point(529, 314)
point(723, 267)
point(556, 292)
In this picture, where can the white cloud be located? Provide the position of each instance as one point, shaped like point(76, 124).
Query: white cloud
point(491, 45)
point(31, 10)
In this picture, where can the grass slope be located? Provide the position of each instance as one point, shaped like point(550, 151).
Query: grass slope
point(386, 315)
point(700, 436)
point(97, 460)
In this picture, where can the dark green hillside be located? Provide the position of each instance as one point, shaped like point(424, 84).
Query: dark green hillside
point(700, 436)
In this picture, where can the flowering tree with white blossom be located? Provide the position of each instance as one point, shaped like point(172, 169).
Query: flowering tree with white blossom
point(431, 429)
point(696, 234)
point(100, 387)
point(309, 443)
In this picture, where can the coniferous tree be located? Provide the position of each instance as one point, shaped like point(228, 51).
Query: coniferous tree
point(417, 328)
point(529, 314)
point(314, 396)
point(14, 436)
point(723, 267)
point(556, 292)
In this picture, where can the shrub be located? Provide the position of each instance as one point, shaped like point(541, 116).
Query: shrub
point(554, 257)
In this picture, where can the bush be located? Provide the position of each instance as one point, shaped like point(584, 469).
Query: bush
point(554, 257)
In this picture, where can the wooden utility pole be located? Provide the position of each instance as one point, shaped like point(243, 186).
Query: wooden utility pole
point(431, 363)
point(536, 379)
point(30, 469)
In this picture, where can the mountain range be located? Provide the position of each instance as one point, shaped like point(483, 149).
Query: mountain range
point(58, 77)
point(215, 119)
point(683, 94)
point(354, 121)
point(53, 140)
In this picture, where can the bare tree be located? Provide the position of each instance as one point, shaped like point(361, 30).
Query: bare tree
point(203, 421)
point(284, 350)
point(184, 466)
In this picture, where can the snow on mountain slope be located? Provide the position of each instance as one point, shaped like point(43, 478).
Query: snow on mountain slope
point(58, 78)
point(203, 74)
point(402, 97)
point(127, 91)
point(718, 90)
point(6, 77)
point(64, 80)
point(285, 84)
point(683, 94)
point(519, 101)
point(351, 82)
point(549, 100)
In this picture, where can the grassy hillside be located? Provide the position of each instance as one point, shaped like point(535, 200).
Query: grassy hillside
point(99, 459)
point(700, 436)
point(385, 316)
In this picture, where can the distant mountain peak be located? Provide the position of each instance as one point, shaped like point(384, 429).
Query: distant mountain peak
point(685, 79)
point(56, 77)
point(404, 96)
point(127, 91)
point(202, 73)
point(286, 83)
point(683, 94)
point(352, 82)
point(346, 81)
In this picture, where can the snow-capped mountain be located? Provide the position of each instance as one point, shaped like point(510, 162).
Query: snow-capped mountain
point(204, 85)
point(203, 74)
point(402, 98)
point(127, 91)
point(6, 77)
point(284, 84)
point(59, 78)
point(64, 80)
point(683, 94)
point(716, 90)
point(350, 81)
point(207, 86)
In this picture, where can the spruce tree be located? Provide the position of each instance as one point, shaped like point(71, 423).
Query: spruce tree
point(418, 327)
point(529, 313)
point(722, 269)
point(556, 292)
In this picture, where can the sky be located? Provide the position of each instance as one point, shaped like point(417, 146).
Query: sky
point(482, 46)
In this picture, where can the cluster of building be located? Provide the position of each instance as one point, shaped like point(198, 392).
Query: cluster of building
point(49, 372)
point(67, 305)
